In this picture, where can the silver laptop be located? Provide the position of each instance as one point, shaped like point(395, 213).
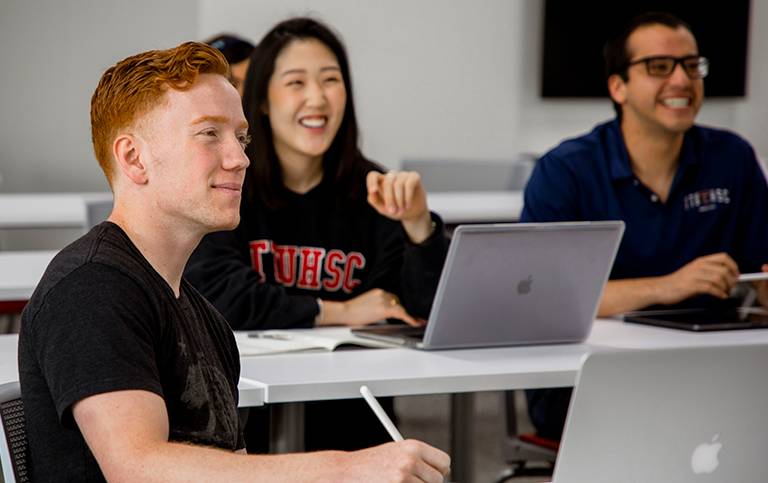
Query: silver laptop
point(514, 284)
point(675, 415)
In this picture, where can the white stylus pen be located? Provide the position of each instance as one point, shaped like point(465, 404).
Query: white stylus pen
point(379, 412)
point(753, 277)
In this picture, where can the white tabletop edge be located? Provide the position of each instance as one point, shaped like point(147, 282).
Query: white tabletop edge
point(476, 206)
point(20, 271)
point(282, 393)
point(46, 210)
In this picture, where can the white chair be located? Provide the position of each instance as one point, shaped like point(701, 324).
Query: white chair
point(14, 453)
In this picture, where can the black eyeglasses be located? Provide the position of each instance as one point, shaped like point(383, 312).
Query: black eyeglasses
point(695, 66)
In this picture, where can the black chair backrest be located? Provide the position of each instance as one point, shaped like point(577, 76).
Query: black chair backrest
point(14, 433)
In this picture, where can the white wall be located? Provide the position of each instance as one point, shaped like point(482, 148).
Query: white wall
point(426, 84)
point(433, 78)
point(52, 54)
point(457, 78)
point(751, 116)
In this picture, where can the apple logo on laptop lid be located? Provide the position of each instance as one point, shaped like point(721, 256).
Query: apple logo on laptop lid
point(524, 286)
point(704, 458)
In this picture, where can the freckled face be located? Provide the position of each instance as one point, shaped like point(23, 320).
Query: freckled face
point(196, 159)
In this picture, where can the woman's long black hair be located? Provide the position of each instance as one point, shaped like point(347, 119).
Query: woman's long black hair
point(343, 163)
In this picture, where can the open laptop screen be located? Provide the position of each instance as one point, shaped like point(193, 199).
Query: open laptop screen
point(665, 415)
point(518, 284)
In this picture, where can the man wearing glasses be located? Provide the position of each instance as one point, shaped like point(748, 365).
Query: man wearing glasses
point(694, 199)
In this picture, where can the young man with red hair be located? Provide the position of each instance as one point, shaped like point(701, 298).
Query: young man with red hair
point(126, 372)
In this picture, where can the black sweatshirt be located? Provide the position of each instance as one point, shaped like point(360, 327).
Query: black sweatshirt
point(270, 270)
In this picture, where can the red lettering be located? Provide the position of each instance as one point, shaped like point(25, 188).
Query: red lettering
point(310, 260)
point(332, 260)
point(285, 264)
point(259, 248)
point(309, 268)
point(354, 260)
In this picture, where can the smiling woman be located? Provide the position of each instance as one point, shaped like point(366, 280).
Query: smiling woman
point(326, 237)
point(309, 238)
point(306, 105)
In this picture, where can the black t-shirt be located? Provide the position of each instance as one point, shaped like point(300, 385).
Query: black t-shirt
point(103, 320)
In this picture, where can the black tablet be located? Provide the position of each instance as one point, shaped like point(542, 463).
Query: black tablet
point(701, 320)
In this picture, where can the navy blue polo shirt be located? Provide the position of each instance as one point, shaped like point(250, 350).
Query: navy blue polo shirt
point(718, 201)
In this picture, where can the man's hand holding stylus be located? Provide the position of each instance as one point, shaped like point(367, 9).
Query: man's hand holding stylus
point(411, 460)
point(404, 461)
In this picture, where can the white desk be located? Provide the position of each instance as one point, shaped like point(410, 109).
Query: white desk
point(476, 206)
point(314, 376)
point(297, 377)
point(251, 392)
point(620, 335)
point(390, 372)
point(20, 272)
point(9, 366)
point(46, 210)
point(67, 210)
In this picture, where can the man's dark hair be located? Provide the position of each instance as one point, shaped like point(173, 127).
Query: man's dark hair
point(343, 163)
point(615, 51)
point(234, 48)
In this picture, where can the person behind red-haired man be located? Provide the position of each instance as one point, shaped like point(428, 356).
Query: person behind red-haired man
point(127, 373)
point(237, 51)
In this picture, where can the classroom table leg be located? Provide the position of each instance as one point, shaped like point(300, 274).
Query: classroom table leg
point(462, 414)
point(286, 432)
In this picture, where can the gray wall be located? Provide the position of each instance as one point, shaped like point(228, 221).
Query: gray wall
point(433, 78)
point(458, 79)
point(52, 54)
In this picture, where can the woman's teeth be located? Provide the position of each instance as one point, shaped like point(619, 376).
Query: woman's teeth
point(313, 122)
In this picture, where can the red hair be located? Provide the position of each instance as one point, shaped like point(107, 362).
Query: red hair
point(135, 85)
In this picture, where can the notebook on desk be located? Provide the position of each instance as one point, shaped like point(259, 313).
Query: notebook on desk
point(703, 320)
point(515, 284)
point(694, 415)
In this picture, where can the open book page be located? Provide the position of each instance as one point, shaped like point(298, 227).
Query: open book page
point(298, 340)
